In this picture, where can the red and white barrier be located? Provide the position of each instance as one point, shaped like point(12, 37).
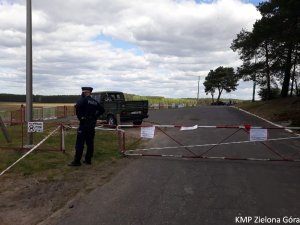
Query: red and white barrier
point(257, 134)
point(207, 145)
point(246, 126)
point(211, 157)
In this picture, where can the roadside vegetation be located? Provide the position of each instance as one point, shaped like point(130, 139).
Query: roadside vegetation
point(281, 110)
point(48, 158)
point(270, 59)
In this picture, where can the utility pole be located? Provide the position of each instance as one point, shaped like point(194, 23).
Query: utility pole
point(29, 70)
point(198, 90)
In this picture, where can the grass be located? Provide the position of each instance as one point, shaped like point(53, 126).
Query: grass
point(48, 162)
point(170, 101)
point(276, 110)
point(9, 106)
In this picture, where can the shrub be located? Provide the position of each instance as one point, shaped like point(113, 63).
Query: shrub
point(274, 93)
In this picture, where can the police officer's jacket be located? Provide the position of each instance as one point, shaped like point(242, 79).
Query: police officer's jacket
point(88, 110)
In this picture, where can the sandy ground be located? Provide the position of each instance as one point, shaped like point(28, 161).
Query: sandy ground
point(39, 200)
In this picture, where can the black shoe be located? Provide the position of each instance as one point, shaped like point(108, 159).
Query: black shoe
point(87, 162)
point(73, 163)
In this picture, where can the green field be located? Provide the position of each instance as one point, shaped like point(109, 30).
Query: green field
point(9, 106)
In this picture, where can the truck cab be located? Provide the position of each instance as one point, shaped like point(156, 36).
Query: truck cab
point(111, 96)
point(115, 104)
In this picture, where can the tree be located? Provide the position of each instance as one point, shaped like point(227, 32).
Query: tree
point(223, 78)
point(209, 87)
point(254, 49)
point(269, 51)
point(283, 16)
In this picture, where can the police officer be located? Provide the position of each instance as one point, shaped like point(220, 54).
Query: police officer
point(87, 111)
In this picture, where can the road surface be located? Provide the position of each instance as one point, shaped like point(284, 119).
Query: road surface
point(161, 191)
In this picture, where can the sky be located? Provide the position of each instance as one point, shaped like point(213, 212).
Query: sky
point(148, 48)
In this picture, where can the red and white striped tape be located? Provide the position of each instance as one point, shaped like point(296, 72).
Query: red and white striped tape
point(31, 150)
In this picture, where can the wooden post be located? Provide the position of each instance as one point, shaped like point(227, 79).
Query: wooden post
point(118, 119)
point(4, 130)
point(65, 111)
point(62, 138)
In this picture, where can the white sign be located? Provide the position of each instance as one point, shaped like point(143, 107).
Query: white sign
point(147, 132)
point(35, 127)
point(258, 134)
point(189, 128)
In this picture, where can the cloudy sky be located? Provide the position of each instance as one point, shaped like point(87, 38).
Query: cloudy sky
point(155, 48)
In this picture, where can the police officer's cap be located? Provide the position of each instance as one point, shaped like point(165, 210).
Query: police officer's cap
point(87, 89)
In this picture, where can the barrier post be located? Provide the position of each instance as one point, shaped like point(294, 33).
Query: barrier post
point(22, 113)
point(11, 118)
point(121, 140)
point(22, 125)
point(22, 130)
point(65, 110)
point(62, 138)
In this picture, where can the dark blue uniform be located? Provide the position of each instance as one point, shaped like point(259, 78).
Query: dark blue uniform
point(87, 111)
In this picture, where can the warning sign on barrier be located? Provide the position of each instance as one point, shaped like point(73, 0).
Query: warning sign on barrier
point(35, 127)
point(258, 134)
point(189, 128)
point(147, 132)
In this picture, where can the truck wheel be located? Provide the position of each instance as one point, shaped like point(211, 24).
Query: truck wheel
point(139, 122)
point(111, 120)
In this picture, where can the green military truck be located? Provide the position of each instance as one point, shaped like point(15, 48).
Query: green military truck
point(115, 104)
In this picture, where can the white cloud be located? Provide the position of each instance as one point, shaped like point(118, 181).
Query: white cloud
point(167, 42)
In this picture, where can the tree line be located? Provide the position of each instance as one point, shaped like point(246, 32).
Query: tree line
point(270, 54)
point(40, 98)
point(74, 99)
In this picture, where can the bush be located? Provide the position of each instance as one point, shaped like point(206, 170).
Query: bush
point(274, 93)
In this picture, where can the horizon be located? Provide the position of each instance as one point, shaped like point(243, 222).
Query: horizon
point(146, 96)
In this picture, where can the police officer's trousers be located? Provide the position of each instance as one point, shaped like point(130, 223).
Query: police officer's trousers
point(85, 134)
